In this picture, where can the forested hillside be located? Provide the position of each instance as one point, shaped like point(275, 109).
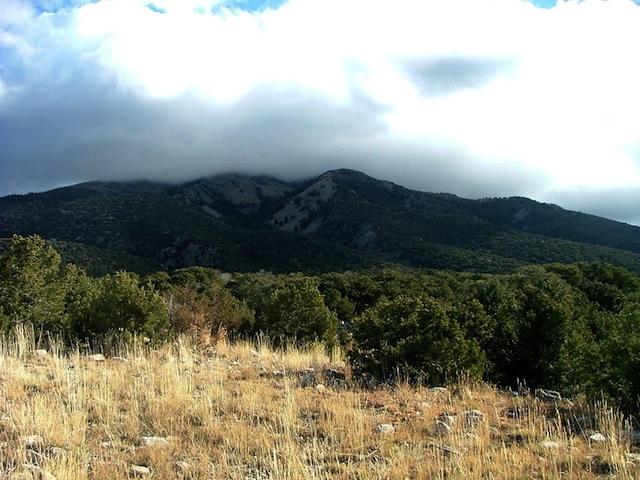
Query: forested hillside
point(341, 220)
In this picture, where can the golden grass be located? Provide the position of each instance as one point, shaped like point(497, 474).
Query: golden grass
point(241, 412)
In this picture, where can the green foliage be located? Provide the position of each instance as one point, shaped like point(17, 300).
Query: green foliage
point(33, 285)
point(297, 310)
point(417, 337)
point(120, 304)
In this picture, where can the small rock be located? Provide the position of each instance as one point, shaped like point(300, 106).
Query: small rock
point(550, 445)
point(308, 378)
point(447, 418)
point(40, 353)
point(320, 387)
point(105, 445)
point(139, 471)
point(56, 452)
point(442, 428)
point(152, 441)
point(182, 468)
point(277, 373)
point(385, 429)
point(585, 422)
point(438, 390)
point(473, 418)
point(463, 393)
point(597, 438)
point(634, 457)
point(34, 442)
point(119, 359)
point(96, 357)
point(548, 394)
point(334, 375)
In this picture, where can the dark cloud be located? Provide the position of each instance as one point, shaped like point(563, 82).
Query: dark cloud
point(447, 74)
point(90, 131)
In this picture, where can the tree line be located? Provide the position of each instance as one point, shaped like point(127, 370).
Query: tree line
point(569, 327)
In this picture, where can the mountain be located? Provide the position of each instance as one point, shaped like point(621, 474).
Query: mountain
point(340, 220)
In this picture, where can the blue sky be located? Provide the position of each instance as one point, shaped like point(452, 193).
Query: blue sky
point(479, 98)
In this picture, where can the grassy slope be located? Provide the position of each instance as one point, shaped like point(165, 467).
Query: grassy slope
point(229, 413)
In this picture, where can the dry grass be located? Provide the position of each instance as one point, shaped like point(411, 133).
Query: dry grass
point(241, 412)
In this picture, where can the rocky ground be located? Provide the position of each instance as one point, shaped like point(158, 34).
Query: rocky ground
point(242, 411)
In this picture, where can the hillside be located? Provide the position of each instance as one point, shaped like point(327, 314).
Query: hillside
point(340, 220)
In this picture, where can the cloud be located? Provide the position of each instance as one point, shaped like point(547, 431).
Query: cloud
point(445, 75)
point(476, 98)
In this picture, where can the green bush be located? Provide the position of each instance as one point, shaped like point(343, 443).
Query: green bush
point(414, 336)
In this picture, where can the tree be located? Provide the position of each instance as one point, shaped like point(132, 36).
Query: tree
point(297, 310)
point(415, 336)
point(33, 285)
point(122, 305)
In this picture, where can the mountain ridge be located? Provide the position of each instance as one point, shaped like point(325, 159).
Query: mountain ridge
point(338, 220)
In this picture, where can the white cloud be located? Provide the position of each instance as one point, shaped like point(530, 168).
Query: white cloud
point(491, 97)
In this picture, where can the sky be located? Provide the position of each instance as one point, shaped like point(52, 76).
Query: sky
point(480, 98)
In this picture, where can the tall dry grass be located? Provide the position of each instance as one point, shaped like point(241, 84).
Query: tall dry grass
point(240, 411)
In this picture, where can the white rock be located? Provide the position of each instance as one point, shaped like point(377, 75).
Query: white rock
point(320, 387)
point(550, 445)
point(473, 418)
point(152, 441)
point(139, 471)
point(33, 442)
point(183, 467)
point(447, 418)
point(438, 390)
point(597, 438)
point(385, 428)
point(96, 357)
point(40, 352)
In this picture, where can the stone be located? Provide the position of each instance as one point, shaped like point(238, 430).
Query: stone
point(473, 418)
point(585, 422)
point(438, 390)
point(56, 452)
point(334, 375)
point(447, 418)
point(550, 395)
point(385, 428)
point(308, 378)
point(597, 438)
point(34, 442)
point(549, 445)
point(182, 468)
point(96, 357)
point(320, 388)
point(40, 353)
point(442, 428)
point(153, 441)
point(139, 471)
